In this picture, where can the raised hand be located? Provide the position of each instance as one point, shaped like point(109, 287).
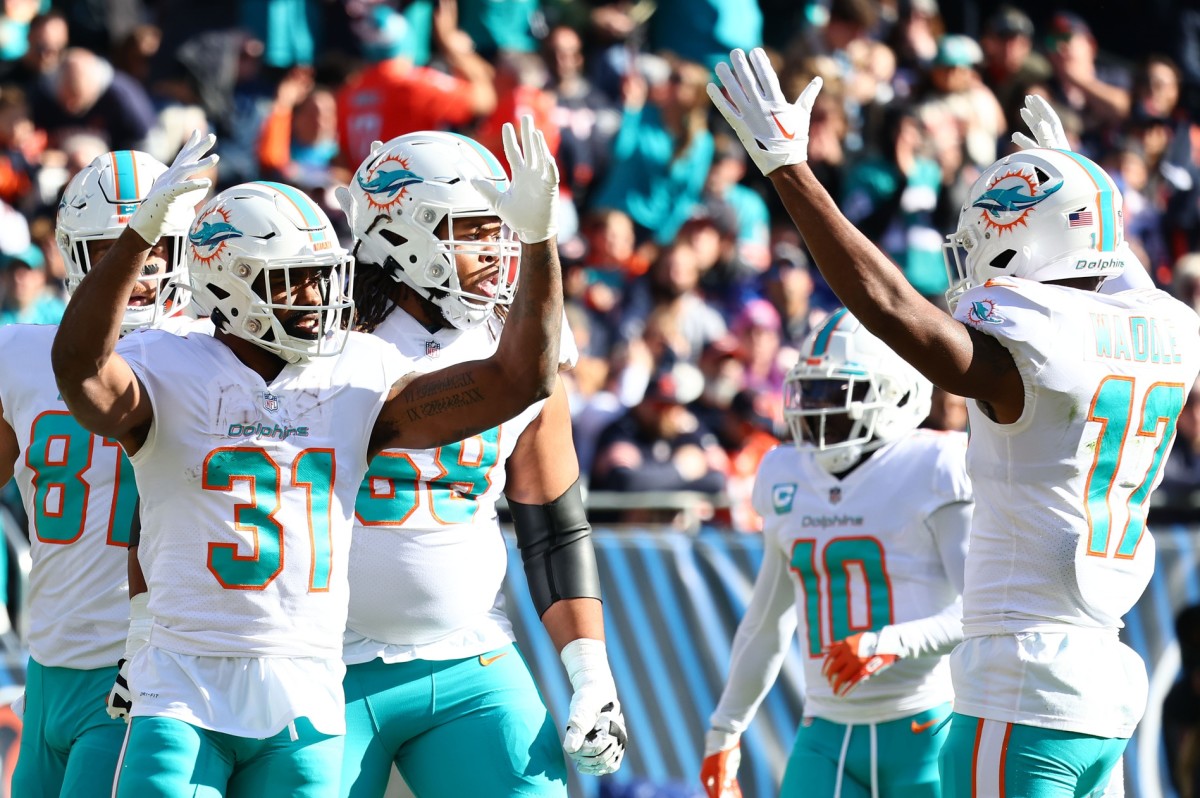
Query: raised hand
point(530, 205)
point(1044, 124)
point(179, 179)
point(773, 131)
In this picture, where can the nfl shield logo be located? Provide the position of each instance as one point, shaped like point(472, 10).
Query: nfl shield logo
point(432, 348)
point(835, 495)
point(270, 402)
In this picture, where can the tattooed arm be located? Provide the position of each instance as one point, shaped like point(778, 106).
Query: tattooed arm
point(429, 410)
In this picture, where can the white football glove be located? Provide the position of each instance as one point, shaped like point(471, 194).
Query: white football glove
point(773, 131)
point(120, 698)
point(530, 205)
point(172, 186)
point(1044, 124)
point(595, 739)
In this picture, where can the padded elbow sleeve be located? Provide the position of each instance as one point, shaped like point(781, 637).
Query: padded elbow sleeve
point(556, 547)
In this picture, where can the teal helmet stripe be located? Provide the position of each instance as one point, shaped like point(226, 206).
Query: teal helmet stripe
point(125, 177)
point(303, 204)
point(1104, 199)
point(822, 342)
point(497, 171)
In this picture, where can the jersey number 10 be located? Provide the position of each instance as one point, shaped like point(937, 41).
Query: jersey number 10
point(830, 583)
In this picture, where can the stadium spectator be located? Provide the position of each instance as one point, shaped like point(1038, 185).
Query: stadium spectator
point(724, 185)
point(1181, 474)
point(658, 445)
point(956, 100)
point(757, 328)
point(1010, 64)
point(671, 285)
point(46, 42)
point(661, 153)
point(788, 285)
point(27, 297)
point(85, 93)
point(392, 96)
point(746, 435)
point(1101, 94)
point(298, 143)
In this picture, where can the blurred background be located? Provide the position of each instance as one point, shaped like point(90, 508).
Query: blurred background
point(688, 290)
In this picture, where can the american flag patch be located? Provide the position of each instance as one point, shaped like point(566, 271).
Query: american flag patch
point(1079, 219)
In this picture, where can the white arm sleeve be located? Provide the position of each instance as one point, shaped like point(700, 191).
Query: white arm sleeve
point(762, 640)
point(936, 634)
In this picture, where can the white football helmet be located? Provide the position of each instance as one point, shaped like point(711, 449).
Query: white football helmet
point(1039, 214)
point(850, 394)
point(96, 206)
point(254, 236)
point(402, 194)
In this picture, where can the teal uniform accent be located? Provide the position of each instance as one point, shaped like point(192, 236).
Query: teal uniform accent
point(1038, 763)
point(167, 758)
point(452, 728)
point(69, 744)
point(906, 764)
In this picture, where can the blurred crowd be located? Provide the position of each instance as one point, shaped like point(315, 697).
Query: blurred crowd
point(689, 291)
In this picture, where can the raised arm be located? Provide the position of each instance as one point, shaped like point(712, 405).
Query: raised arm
point(98, 386)
point(429, 410)
point(775, 133)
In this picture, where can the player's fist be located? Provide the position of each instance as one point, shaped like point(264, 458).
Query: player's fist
point(595, 739)
point(120, 700)
point(850, 661)
point(530, 205)
point(722, 757)
point(773, 130)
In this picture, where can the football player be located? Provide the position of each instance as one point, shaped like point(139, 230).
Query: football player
point(439, 687)
point(1075, 399)
point(865, 526)
point(78, 492)
point(249, 448)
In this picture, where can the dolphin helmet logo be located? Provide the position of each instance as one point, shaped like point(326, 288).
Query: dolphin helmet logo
point(210, 234)
point(1011, 199)
point(386, 183)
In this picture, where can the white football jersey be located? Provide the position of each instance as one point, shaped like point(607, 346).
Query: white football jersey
point(248, 491)
point(427, 559)
point(79, 493)
point(862, 557)
point(1059, 544)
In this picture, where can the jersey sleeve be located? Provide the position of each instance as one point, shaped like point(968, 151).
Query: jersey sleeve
point(761, 642)
point(951, 483)
point(140, 349)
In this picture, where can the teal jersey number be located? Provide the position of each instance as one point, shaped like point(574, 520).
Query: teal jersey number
point(828, 585)
point(312, 471)
point(1113, 408)
point(60, 452)
point(464, 475)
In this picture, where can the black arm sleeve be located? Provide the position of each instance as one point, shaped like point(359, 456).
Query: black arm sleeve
point(556, 547)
